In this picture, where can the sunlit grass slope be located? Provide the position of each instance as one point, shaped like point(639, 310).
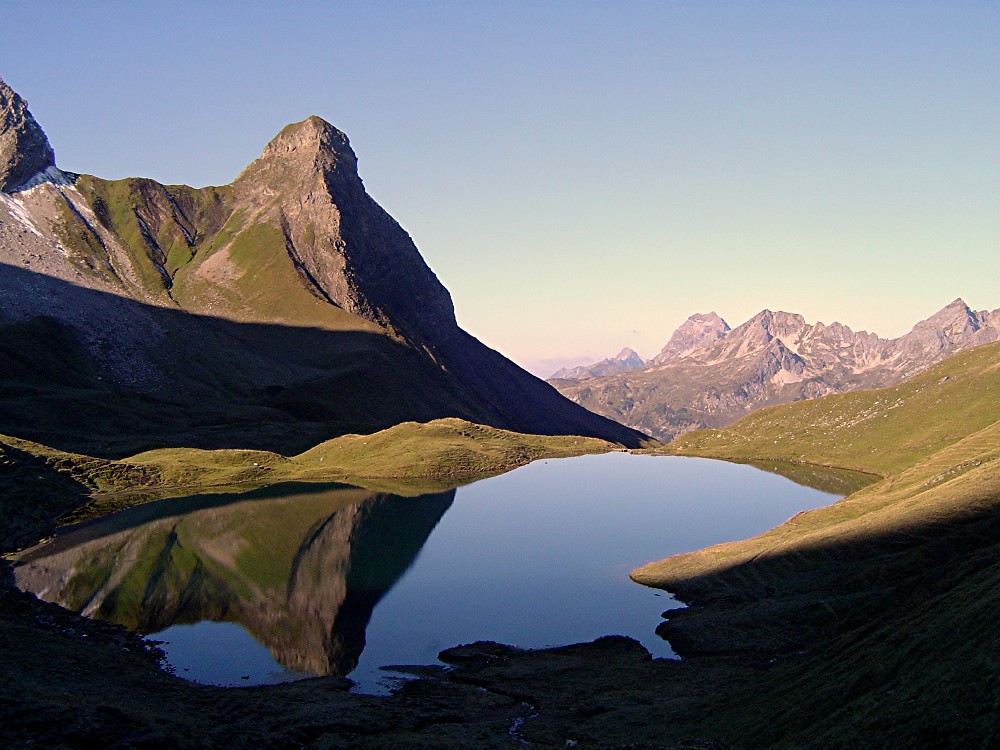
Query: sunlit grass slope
point(445, 451)
point(881, 432)
point(962, 479)
point(444, 447)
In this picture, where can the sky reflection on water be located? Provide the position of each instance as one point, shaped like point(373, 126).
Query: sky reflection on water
point(338, 580)
point(540, 556)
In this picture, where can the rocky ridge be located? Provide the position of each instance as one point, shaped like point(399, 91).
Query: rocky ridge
point(709, 376)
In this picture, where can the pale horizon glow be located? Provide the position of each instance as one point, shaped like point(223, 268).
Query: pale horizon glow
point(582, 176)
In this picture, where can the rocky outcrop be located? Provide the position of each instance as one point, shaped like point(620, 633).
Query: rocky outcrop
point(709, 376)
point(952, 328)
point(307, 183)
point(24, 149)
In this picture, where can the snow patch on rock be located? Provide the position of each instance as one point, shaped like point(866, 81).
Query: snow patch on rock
point(52, 175)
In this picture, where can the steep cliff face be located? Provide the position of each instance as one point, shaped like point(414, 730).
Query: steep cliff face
point(274, 312)
point(709, 376)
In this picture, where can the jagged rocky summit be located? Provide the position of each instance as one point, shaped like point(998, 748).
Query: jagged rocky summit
point(697, 332)
point(24, 149)
point(709, 375)
point(274, 312)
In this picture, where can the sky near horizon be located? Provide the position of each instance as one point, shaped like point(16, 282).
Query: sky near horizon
point(582, 176)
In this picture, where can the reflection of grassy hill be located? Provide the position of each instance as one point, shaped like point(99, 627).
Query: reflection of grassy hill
point(440, 454)
point(823, 478)
point(300, 571)
point(878, 610)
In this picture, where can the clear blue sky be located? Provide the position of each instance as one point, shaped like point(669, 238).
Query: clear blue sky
point(582, 176)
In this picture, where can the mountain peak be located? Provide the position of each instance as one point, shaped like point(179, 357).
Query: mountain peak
point(697, 332)
point(301, 150)
point(956, 305)
point(955, 310)
point(953, 322)
point(775, 321)
point(626, 354)
point(24, 149)
point(309, 136)
point(710, 317)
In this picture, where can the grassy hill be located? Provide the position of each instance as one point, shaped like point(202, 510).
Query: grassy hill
point(407, 458)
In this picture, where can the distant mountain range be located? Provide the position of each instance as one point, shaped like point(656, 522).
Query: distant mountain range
point(709, 375)
point(625, 361)
point(274, 312)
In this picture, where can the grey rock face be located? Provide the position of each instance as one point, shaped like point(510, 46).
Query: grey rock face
point(307, 181)
point(947, 331)
point(24, 149)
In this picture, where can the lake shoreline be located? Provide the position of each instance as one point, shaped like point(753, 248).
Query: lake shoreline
point(52, 651)
point(52, 654)
point(507, 559)
point(764, 661)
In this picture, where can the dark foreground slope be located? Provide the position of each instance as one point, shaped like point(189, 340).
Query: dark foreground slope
point(279, 310)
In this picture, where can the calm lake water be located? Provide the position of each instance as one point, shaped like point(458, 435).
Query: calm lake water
point(296, 580)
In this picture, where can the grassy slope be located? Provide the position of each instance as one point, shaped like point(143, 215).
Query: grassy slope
point(873, 615)
point(880, 432)
point(438, 453)
point(922, 436)
point(934, 439)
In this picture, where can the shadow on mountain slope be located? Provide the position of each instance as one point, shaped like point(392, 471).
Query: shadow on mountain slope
point(92, 372)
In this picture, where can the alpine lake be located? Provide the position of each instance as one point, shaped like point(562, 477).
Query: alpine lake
point(297, 580)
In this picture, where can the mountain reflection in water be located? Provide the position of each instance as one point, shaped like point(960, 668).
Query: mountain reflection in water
point(300, 568)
